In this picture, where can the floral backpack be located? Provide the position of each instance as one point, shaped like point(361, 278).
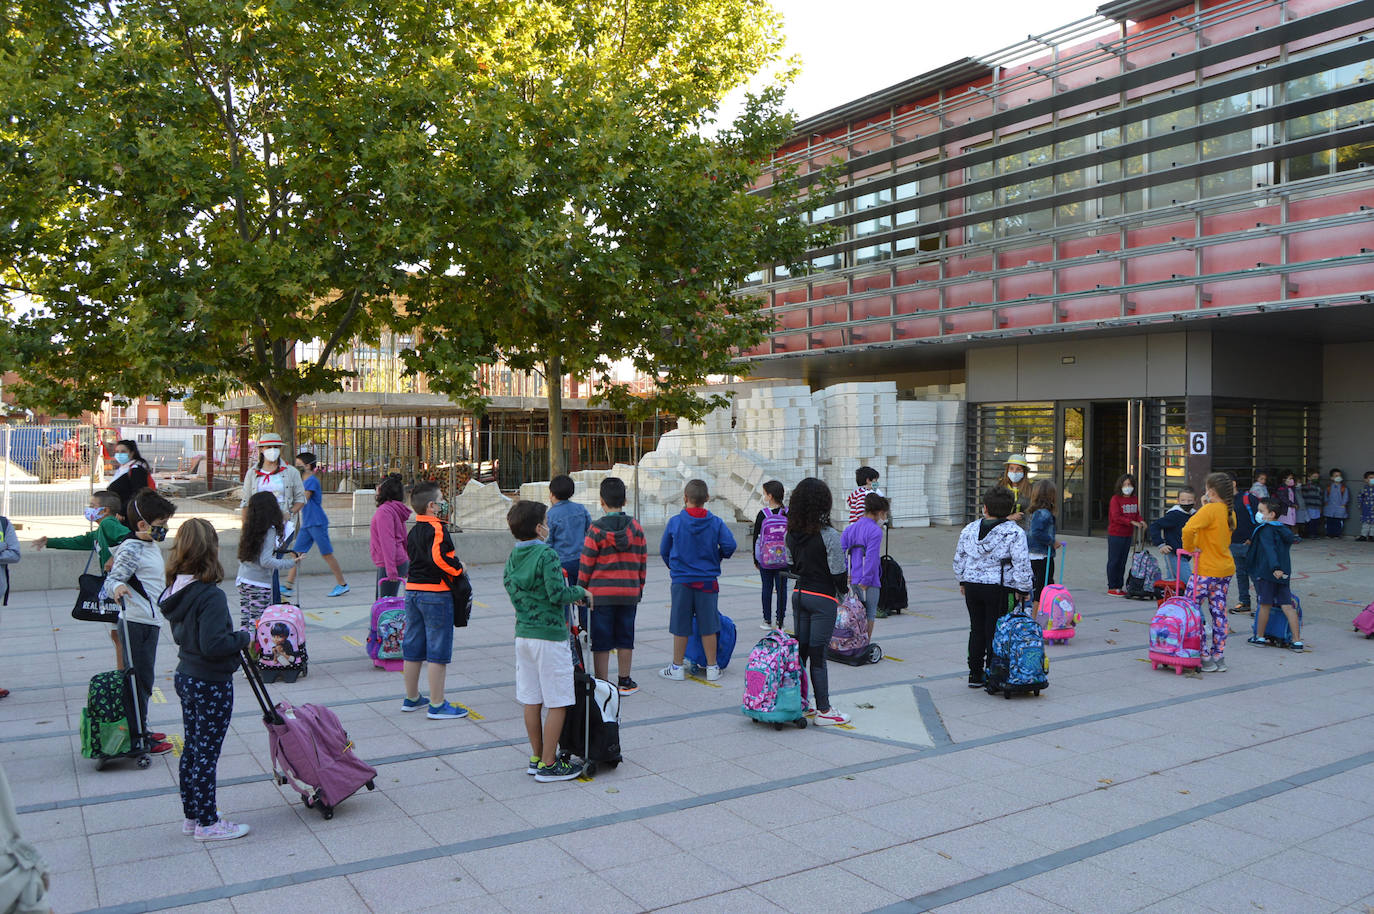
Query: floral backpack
point(773, 665)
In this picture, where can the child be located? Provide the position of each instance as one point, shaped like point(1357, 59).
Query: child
point(1337, 505)
point(567, 522)
point(1016, 479)
point(1312, 503)
point(314, 526)
point(1040, 539)
point(137, 571)
point(1367, 509)
point(1272, 567)
point(865, 571)
point(387, 536)
point(818, 562)
point(263, 532)
point(1208, 534)
point(991, 557)
point(776, 559)
point(615, 563)
point(1260, 487)
point(430, 583)
point(209, 654)
point(9, 555)
point(866, 479)
point(543, 665)
point(1288, 498)
point(1123, 520)
point(131, 476)
point(1243, 507)
point(282, 651)
point(1166, 532)
point(103, 510)
point(693, 545)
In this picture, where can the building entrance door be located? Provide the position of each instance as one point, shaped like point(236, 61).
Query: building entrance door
point(1093, 445)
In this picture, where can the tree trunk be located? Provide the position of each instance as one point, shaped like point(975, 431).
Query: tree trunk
point(553, 379)
point(283, 410)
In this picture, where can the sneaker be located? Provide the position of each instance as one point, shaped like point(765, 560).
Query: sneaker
point(1116, 592)
point(975, 681)
point(1220, 664)
point(712, 673)
point(160, 747)
point(1208, 666)
point(446, 711)
point(627, 686)
point(222, 830)
point(157, 737)
point(1297, 646)
point(766, 626)
point(188, 827)
point(1256, 639)
point(674, 672)
point(561, 770)
point(809, 713)
point(1241, 608)
point(287, 590)
point(338, 591)
point(533, 766)
point(831, 718)
point(414, 704)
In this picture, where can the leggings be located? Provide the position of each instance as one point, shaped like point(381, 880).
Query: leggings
point(773, 580)
point(815, 620)
point(205, 711)
point(252, 601)
point(1213, 590)
point(1042, 573)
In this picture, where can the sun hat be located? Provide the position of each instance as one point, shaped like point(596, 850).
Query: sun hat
point(271, 439)
point(1018, 460)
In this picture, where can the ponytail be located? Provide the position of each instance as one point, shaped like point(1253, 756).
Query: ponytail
point(1225, 488)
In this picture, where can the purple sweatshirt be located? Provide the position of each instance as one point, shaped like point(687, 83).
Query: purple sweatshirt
point(863, 545)
point(388, 536)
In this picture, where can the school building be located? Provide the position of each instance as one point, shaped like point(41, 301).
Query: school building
point(1142, 242)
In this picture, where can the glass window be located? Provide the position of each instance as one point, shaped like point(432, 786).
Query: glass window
point(1351, 157)
point(754, 278)
point(1232, 181)
point(873, 253)
point(1227, 144)
point(872, 226)
point(828, 262)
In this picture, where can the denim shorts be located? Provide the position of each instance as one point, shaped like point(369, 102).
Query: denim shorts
point(689, 602)
point(1273, 592)
point(429, 627)
point(613, 627)
point(311, 535)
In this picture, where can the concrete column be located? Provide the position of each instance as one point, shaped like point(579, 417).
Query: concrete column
point(1198, 410)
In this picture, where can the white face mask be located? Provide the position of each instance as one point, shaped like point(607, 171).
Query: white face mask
point(1127, 490)
point(1336, 479)
point(1016, 476)
point(271, 454)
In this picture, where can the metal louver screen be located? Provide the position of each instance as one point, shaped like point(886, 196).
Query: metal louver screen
point(997, 430)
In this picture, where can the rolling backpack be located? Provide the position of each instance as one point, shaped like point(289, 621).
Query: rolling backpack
point(773, 682)
point(1018, 662)
point(1276, 630)
point(1056, 612)
point(1176, 633)
point(849, 643)
point(892, 596)
point(1364, 622)
point(104, 727)
point(386, 637)
point(292, 662)
point(770, 549)
point(1144, 573)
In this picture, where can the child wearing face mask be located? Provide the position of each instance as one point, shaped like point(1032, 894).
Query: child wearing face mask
point(1123, 520)
point(1336, 507)
point(1311, 493)
point(136, 576)
point(1270, 563)
point(1208, 533)
point(1289, 500)
point(262, 536)
point(1166, 531)
point(104, 507)
point(1367, 509)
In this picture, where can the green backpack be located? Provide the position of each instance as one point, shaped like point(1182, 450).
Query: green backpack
point(104, 727)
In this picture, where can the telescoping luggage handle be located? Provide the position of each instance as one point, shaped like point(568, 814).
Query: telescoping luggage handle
point(1063, 551)
point(1178, 565)
point(259, 688)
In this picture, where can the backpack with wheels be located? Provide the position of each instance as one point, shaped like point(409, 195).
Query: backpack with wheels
point(1176, 633)
point(770, 549)
point(849, 643)
point(892, 595)
point(386, 637)
point(1364, 622)
point(1056, 612)
point(1018, 662)
point(1143, 574)
point(695, 655)
point(773, 682)
point(591, 727)
point(104, 727)
point(1276, 630)
point(280, 637)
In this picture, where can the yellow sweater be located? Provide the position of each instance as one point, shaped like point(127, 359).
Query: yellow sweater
point(1208, 533)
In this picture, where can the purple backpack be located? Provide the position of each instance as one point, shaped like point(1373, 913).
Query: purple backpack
point(770, 550)
point(312, 753)
point(850, 636)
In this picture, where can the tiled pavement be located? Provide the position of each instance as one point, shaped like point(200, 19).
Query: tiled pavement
point(1119, 789)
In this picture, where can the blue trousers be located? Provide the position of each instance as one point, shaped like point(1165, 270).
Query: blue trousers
point(1239, 551)
point(773, 581)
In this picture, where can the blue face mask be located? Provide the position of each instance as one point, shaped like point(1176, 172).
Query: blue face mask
point(93, 514)
point(122, 457)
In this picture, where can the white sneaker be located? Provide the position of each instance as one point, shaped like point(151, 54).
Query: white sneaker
point(223, 830)
point(674, 672)
point(712, 673)
point(831, 718)
point(766, 626)
point(1221, 665)
point(188, 828)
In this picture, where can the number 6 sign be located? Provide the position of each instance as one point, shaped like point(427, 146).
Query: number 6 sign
point(1197, 444)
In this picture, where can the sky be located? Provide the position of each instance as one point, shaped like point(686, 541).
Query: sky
point(851, 48)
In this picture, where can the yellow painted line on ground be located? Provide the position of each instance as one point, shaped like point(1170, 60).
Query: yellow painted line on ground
point(714, 685)
point(353, 641)
point(158, 697)
point(584, 779)
point(845, 727)
point(473, 715)
point(890, 657)
point(479, 603)
point(1135, 621)
point(176, 744)
point(316, 616)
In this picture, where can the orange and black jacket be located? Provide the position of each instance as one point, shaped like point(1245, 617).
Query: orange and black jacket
point(433, 563)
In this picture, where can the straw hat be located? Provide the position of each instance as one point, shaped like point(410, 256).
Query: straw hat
point(1017, 459)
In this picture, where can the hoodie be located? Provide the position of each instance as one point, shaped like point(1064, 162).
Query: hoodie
point(1269, 552)
point(207, 641)
point(614, 560)
point(534, 580)
point(1167, 529)
point(142, 559)
point(693, 545)
point(866, 535)
point(567, 522)
point(387, 540)
point(103, 538)
point(984, 546)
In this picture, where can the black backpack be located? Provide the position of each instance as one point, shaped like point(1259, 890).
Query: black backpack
point(892, 598)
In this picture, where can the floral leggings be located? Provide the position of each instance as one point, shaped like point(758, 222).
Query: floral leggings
point(205, 711)
point(252, 601)
point(1214, 591)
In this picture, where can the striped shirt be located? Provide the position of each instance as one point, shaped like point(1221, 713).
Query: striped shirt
point(615, 560)
point(856, 501)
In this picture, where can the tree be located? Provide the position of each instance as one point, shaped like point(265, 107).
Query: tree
point(616, 229)
point(192, 188)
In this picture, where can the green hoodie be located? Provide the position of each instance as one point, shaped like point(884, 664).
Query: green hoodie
point(106, 534)
point(534, 580)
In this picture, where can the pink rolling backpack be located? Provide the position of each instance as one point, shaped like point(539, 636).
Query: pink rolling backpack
point(280, 633)
point(386, 637)
point(1364, 622)
point(1176, 631)
point(1056, 613)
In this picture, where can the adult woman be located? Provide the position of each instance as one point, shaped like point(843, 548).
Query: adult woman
point(819, 565)
point(1016, 477)
point(132, 473)
point(272, 475)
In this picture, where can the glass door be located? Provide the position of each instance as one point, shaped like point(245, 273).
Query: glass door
point(1073, 421)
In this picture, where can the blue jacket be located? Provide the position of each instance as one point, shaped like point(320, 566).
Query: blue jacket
point(1168, 527)
point(567, 522)
point(1268, 551)
point(1244, 505)
point(693, 547)
point(1337, 498)
point(1040, 537)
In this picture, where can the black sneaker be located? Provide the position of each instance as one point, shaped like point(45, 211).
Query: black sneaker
point(561, 770)
point(1242, 608)
point(975, 680)
point(627, 686)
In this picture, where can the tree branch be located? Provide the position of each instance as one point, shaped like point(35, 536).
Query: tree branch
point(342, 329)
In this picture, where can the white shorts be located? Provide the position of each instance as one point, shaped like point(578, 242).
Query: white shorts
point(543, 673)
